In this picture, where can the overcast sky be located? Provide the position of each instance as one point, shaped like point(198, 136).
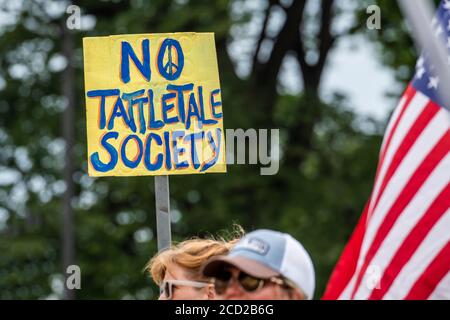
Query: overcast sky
point(353, 68)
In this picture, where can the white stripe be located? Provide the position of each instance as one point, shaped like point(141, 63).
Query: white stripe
point(437, 127)
point(419, 150)
point(442, 290)
point(393, 119)
point(347, 293)
point(436, 239)
point(412, 112)
point(408, 219)
point(415, 107)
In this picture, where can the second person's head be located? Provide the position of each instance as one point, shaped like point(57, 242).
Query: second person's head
point(265, 264)
point(177, 270)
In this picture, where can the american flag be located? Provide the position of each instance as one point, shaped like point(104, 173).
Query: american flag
point(400, 248)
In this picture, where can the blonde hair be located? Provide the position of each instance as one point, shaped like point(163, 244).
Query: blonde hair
point(191, 254)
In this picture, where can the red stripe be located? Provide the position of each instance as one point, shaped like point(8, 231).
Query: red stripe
point(408, 94)
point(412, 242)
point(420, 175)
point(346, 265)
point(416, 129)
point(431, 277)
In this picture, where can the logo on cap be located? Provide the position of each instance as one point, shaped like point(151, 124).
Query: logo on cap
point(257, 245)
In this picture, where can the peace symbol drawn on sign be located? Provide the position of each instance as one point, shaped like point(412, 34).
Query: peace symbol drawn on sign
point(171, 70)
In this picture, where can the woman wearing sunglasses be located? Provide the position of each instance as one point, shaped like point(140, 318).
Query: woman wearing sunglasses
point(177, 270)
point(264, 265)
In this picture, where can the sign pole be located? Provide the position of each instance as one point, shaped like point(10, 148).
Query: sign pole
point(419, 16)
point(162, 212)
point(111, 129)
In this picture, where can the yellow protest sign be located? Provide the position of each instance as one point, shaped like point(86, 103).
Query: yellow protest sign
point(153, 105)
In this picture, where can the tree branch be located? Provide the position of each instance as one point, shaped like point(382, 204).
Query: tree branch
point(267, 72)
point(225, 60)
point(325, 36)
point(262, 35)
point(311, 73)
point(304, 66)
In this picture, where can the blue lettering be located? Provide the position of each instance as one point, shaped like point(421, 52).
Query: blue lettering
point(153, 124)
point(95, 158)
point(159, 158)
point(167, 107)
point(177, 151)
point(215, 104)
point(180, 90)
point(167, 150)
point(193, 111)
point(130, 97)
point(143, 67)
point(215, 148)
point(131, 163)
point(103, 94)
point(119, 111)
point(192, 137)
point(202, 108)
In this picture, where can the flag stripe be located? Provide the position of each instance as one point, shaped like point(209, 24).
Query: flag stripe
point(396, 117)
point(411, 162)
point(412, 242)
point(422, 146)
point(347, 294)
point(405, 223)
point(435, 272)
point(415, 208)
point(419, 262)
point(400, 247)
point(442, 290)
point(391, 128)
point(414, 183)
point(416, 129)
point(346, 266)
point(412, 112)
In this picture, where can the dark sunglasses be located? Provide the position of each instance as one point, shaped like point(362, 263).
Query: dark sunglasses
point(247, 282)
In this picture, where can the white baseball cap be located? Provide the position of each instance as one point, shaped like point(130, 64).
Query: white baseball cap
point(267, 253)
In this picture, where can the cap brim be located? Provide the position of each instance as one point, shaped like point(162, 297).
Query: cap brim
point(216, 264)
